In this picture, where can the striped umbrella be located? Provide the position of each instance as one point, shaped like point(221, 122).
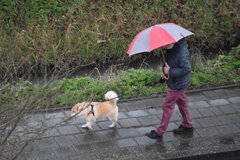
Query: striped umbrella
point(157, 36)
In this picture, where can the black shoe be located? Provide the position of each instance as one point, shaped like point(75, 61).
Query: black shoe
point(153, 135)
point(182, 130)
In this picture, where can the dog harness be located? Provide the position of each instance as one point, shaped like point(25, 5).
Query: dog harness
point(91, 112)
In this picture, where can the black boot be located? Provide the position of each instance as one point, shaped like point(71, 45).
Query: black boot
point(181, 130)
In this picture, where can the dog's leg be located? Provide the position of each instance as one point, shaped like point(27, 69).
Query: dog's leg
point(114, 119)
point(112, 125)
point(88, 125)
point(90, 121)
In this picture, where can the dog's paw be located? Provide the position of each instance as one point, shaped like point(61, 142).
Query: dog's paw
point(86, 126)
point(112, 125)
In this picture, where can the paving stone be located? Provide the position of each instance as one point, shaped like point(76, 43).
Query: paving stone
point(86, 138)
point(216, 111)
point(127, 132)
point(195, 124)
point(228, 129)
point(175, 117)
point(194, 97)
point(65, 150)
point(229, 119)
point(206, 112)
point(136, 105)
point(155, 111)
point(218, 102)
point(129, 122)
point(83, 150)
point(46, 144)
point(66, 140)
point(214, 94)
point(76, 121)
point(19, 129)
point(235, 100)
point(45, 154)
point(215, 116)
point(236, 107)
point(168, 136)
point(227, 109)
point(210, 121)
point(25, 156)
point(122, 115)
point(195, 113)
point(126, 142)
point(50, 132)
point(54, 122)
point(172, 126)
point(54, 115)
point(34, 125)
point(137, 113)
point(144, 130)
point(35, 117)
point(144, 140)
point(67, 113)
point(68, 130)
point(122, 106)
point(199, 104)
point(107, 135)
point(202, 104)
point(149, 120)
point(233, 91)
point(105, 124)
point(153, 101)
point(207, 132)
point(183, 145)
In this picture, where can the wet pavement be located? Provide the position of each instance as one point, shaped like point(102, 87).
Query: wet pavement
point(216, 115)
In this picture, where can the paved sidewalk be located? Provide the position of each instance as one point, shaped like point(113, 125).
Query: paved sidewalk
point(215, 113)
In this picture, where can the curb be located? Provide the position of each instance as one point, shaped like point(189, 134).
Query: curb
point(55, 109)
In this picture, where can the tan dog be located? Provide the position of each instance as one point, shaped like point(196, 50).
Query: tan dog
point(98, 110)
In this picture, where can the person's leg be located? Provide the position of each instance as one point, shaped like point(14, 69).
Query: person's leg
point(184, 109)
point(168, 107)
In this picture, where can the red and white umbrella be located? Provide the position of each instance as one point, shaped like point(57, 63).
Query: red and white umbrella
point(157, 36)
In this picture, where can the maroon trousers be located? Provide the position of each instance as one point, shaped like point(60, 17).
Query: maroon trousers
point(174, 97)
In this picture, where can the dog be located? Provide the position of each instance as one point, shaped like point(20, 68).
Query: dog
point(93, 111)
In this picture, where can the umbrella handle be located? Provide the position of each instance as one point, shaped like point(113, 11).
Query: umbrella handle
point(167, 76)
point(164, 60)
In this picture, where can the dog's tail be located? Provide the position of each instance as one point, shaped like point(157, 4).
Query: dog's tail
point(111, 96)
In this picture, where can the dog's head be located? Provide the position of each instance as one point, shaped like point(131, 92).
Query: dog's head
point(79, 107)
point(111, 95)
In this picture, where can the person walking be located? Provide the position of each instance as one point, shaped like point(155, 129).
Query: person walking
point(177, 74)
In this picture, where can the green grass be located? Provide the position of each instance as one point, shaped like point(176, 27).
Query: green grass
point(128, 84)
point(35, 34)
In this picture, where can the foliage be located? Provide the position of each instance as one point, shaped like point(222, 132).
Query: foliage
point(128, 84)
point(81, 89)
point(39, 37)
point(221, 70)
point(139, 82)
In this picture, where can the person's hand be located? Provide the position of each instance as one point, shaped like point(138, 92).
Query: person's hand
point(163, 76)
point(166, 68)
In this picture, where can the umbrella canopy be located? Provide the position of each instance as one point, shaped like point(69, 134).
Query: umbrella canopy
point(157, 36)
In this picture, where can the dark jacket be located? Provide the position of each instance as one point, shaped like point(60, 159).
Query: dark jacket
point(180, 66)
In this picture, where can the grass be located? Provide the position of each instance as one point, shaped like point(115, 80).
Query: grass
point(39, 35)
point(128, 84)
